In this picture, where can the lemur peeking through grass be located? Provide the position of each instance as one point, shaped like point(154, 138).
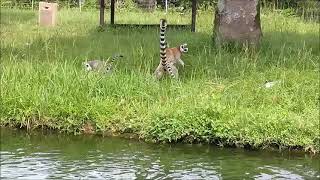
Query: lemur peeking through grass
point(101, 66)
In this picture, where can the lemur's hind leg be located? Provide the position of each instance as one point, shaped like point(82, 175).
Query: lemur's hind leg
point(159, 71)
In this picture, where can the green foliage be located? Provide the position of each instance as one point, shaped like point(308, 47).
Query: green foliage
point(280, 3)
point(309, 9)
point(219, 99)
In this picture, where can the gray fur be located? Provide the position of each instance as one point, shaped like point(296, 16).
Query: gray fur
point(101, 65)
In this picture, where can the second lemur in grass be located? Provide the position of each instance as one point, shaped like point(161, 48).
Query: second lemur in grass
point(101, 66)
point(169, 57)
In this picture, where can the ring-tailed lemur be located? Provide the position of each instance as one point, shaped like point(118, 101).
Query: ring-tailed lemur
point(169, 56)
point(101, 65)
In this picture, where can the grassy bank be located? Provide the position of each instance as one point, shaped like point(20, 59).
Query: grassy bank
point(219, 97)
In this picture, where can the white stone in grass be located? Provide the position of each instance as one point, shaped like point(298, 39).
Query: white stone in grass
point(270, 84)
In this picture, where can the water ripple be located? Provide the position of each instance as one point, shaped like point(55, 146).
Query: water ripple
point(57, 157)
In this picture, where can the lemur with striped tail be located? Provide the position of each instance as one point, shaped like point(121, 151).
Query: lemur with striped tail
point(101, 65)
point(169, 56)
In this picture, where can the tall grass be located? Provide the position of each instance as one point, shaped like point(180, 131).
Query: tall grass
point(219, 98)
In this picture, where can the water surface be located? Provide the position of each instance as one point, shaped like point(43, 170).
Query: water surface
point(47, 155)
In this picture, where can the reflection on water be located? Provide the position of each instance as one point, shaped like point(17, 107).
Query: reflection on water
point(48, 155)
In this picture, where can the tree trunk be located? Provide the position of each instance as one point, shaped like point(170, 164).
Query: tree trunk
point(237, 21)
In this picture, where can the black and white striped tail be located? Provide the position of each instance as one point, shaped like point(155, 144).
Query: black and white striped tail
point(111, 61)
point(163, 56)
point(114, 57)
point(163, 47)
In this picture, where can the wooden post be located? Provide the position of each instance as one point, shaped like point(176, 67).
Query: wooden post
point(194, 14)
point(112, 12)
point(166, 6)
point(102, 7)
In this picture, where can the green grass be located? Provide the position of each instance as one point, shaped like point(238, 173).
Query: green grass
point(218, 99)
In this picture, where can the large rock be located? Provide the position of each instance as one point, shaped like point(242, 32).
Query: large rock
point(237, 21)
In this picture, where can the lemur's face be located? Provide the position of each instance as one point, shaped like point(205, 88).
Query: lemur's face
point(184, 48)
point(87, 66)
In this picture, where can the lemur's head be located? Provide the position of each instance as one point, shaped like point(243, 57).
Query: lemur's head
point(184, 48)
point(92, 65)
point(87, 66)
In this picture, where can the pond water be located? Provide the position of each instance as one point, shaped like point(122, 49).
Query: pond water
point(47, 155)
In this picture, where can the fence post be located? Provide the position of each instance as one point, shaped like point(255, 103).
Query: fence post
point(102, 7)
point(194, 14)
point(112, 12)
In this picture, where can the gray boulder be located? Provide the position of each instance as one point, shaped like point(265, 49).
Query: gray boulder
point(237, 21)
